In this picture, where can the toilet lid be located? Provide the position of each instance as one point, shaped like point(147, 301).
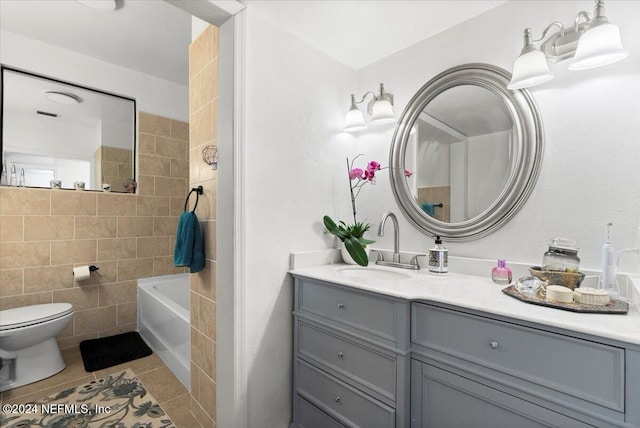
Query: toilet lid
point(35, 314)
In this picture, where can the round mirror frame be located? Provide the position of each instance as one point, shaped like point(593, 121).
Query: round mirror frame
point(528, 150)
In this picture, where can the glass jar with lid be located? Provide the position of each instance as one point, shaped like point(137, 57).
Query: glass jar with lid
point(562, 256)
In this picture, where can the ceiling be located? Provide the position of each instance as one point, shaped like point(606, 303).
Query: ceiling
point(152, 36)
point(484, 112)
point(360, 32)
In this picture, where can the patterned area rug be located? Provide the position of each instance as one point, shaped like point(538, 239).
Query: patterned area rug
point(116, 401)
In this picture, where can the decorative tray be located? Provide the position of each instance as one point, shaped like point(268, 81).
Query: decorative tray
point(615, 307)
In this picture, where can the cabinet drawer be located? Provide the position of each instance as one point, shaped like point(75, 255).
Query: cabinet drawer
point(586, 370)
point(366, 312)
point(309, 416)
point(347, 404)
point(369, 367)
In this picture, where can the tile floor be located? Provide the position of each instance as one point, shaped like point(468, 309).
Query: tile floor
point(152, 372)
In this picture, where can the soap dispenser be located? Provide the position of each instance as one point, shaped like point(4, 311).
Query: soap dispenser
point(501, 274)
point(439, 258)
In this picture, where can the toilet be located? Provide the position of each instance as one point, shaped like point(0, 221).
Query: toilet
point(28, 348)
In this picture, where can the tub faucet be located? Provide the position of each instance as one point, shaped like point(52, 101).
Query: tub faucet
point(396, 233)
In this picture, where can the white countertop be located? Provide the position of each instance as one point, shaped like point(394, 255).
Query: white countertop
point(481, 294)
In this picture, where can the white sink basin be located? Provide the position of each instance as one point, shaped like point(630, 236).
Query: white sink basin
point(373, 273)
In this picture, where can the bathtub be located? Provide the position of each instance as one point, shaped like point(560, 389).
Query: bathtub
point(164, 322)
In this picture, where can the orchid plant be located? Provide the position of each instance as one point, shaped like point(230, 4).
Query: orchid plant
point(353, 235)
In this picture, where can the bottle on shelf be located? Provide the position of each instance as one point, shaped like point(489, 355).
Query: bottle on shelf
point(3, 177)
point(13, 181)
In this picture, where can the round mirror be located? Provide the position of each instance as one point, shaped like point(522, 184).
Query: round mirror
point(474, 148)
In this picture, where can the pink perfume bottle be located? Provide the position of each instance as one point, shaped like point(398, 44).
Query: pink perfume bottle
point(501, 274)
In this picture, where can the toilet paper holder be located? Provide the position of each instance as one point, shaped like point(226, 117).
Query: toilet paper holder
point(92, 268)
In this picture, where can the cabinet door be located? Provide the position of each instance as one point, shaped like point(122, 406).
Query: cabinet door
point(442, 399)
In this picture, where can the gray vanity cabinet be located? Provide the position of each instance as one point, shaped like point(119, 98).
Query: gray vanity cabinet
point(369, 360)
point(351, 358)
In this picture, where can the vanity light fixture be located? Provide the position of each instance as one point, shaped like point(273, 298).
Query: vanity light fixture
point(380, 108)
point(592, 42)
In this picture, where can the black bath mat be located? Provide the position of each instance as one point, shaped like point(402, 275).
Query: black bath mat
point(98, 354)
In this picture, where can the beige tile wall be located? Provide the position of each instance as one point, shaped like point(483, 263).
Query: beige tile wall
point(436, 195)
point(45, 233)
point(113, 167)
point(203, 121)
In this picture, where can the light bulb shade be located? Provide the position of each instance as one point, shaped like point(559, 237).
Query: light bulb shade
point(530, 69)
point(354, 121)
point(382, 112)
point(599, 45)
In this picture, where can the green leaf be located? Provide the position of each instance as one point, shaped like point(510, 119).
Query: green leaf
point(365, 242)
point(356, 251)
point(331, 226)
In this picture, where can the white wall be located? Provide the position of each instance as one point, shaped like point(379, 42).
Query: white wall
point(488, 170)
point(51, 137)
point(153, 95)
point(295, 172)
point(295, 101)
point(591, 168)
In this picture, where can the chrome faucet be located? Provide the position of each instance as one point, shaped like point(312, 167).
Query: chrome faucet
point(396, 245)
point(396, 233)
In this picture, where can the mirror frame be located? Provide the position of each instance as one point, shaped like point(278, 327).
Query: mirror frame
point(528, 151)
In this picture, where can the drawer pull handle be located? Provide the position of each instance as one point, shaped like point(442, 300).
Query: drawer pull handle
point(493, 344)
point(340, 305)
point(340, 354)
point(337, 399)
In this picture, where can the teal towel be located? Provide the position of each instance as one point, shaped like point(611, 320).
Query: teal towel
point(429, 208)
point(188, 250)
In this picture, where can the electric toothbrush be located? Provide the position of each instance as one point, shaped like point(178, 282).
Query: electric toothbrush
point(609, 265)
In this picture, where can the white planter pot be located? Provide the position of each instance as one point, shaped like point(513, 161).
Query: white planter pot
point(346, 257)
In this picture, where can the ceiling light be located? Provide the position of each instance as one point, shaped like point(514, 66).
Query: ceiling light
point(62, 97)
point(100, 5)
point(380, 108)
point(593, 42)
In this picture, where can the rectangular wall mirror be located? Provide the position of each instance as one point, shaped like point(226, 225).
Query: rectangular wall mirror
point(54, 130)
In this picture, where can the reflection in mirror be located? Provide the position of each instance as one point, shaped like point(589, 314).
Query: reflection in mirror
point(53, 130)
point(461, 152)
point(475, 148)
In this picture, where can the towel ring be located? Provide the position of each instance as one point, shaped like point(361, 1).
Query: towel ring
point(199, 191)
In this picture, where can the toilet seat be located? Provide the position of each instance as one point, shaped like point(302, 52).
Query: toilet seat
point(30, 315)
